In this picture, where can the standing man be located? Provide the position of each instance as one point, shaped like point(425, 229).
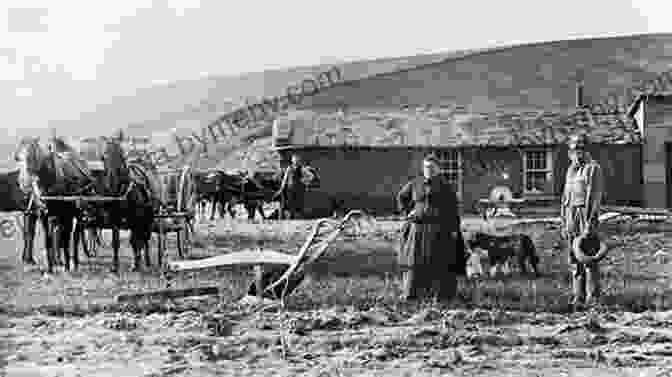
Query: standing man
point(292, 189)
point(579, 212)
point(431, 245)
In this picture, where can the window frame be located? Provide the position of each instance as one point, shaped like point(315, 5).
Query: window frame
point(549, 171)
point(442, 155)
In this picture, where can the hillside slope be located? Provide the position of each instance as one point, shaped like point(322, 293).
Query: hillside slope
point(189, 104)
point(534, 76)
point(540, 76)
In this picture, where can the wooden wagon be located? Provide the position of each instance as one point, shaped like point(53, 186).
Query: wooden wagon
point(177, 211)
point(173, 189)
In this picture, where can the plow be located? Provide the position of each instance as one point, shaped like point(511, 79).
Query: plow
point(277, 274)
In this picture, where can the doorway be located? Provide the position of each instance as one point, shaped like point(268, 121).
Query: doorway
point(668, 169)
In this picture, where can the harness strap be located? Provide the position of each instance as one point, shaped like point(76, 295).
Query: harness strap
point(86, 174)
point(30, 204)
point(128, 189)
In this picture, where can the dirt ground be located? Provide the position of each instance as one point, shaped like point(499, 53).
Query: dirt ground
point(346, 320)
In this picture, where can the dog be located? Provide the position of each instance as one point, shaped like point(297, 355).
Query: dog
point(499, 250)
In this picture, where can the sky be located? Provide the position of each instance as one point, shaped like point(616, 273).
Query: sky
point(59, 58)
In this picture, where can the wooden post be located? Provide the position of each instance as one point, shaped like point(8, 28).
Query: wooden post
point(160, 241)
point(627, 268)
point(258, 275)
point(180, 251)
point(258, 278)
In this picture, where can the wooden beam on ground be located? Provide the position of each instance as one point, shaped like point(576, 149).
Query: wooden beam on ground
point(638, 210)
point(256, 300)
point(609, 216)
point(165, 294)
point(84, 198)
point(240, 258)
point(552, 220)
point(170, 215)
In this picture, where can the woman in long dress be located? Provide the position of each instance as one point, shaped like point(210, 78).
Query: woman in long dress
point(432, 251)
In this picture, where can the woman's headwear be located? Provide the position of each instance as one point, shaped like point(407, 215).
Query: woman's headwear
point(589, 249)
point(431, 158)
point(577, 141)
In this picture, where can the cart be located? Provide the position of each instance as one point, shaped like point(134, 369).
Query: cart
point(176, 211)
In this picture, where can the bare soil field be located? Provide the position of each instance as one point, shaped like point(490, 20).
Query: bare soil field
point(346, 319)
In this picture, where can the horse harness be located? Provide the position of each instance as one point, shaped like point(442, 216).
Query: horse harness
point(36, 206)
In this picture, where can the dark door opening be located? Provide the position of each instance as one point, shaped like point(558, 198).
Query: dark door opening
point(668, 168)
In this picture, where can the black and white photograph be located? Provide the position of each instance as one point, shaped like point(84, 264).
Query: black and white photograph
point(335, 188)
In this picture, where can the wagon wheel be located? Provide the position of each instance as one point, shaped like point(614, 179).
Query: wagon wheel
point(186, 201)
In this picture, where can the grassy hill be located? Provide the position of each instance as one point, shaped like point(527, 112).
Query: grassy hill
point(540, 75)
point(524, 77)
point(189, 104)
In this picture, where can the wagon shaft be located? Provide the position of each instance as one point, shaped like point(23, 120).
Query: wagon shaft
point(92, 198)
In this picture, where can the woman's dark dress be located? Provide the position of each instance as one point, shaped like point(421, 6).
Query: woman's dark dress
point(430, 255)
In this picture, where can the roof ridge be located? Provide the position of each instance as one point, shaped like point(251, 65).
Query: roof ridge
point(538, 112)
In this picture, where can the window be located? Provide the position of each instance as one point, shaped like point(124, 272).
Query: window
point(451, 164)
point(538, 172)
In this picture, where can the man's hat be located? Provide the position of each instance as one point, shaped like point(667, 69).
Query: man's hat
point(589, 249)
point(577, 141)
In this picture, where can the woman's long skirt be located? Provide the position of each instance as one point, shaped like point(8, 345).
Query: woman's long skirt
point(428, 256)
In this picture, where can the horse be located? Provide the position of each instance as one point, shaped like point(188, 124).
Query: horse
point(209, 190)
point(250, 189)
point(86, 234)
point(135, 209)
point(266, 184)
point(45, 171)
point(14, 199)
point(201, 192)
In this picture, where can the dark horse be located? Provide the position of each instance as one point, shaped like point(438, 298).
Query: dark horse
point(135, 209)
point(225, 189)
point(47, 172)
point(263, 186)
point(209, 190)
point(14, 199)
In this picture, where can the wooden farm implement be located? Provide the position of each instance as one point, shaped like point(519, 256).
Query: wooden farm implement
point(174, 214)
point(177, 208)
point(277, 274)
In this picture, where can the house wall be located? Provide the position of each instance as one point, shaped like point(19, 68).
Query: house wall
point(657, 132)
point(369, 178)
point(621, 165)
point(621, 168)
point(484, 168)
point(669, 174)
point(366, 178)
